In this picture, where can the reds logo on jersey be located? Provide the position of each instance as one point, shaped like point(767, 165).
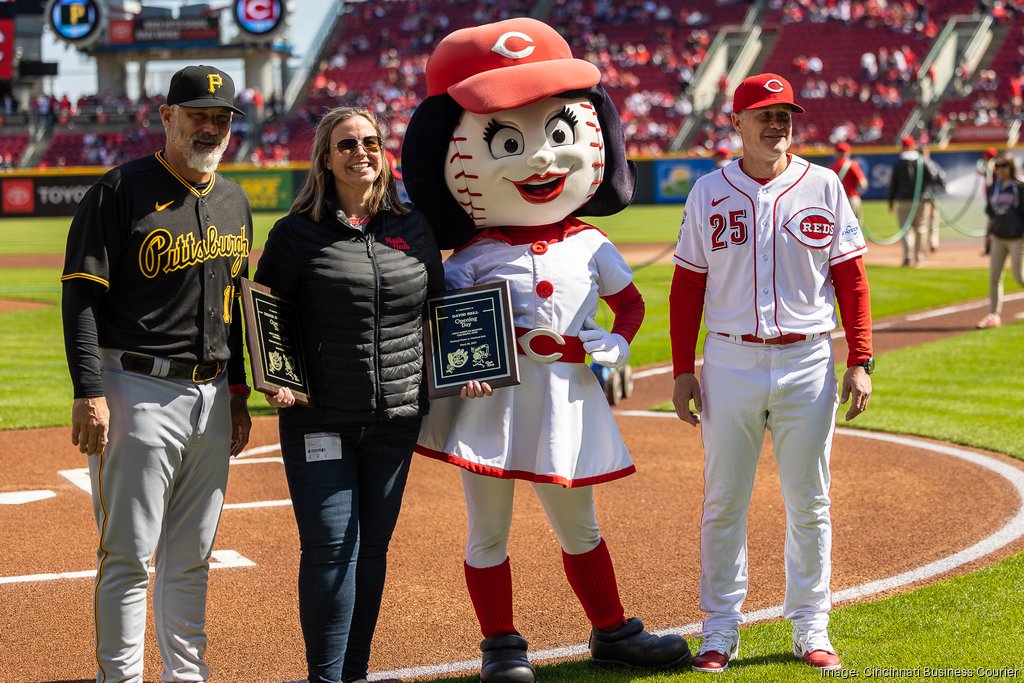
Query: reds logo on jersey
point(814, 228)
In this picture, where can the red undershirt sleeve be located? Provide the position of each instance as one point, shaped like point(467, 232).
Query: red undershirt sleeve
point(686, 307)
point(850, 282)
point(629, 309)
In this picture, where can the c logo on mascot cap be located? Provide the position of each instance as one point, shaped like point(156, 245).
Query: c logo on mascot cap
point(774, 85)
point(506, 65)
point(502, 48)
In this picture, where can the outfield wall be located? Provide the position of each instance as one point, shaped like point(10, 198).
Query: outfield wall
point(24, 194)
point(664, 180)
point(671, 179)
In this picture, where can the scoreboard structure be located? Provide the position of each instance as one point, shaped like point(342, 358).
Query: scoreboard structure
point(119, 33)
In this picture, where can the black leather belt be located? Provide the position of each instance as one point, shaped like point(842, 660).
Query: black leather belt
point(170, 368)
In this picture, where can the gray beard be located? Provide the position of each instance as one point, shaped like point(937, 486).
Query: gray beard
point(205, 162)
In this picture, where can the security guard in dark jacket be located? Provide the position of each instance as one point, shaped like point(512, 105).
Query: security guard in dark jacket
point(359, 266)
point(914, 182)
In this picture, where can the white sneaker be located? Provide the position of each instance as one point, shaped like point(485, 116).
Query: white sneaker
point(717, 649)
point(815, 649)
point(990, 320)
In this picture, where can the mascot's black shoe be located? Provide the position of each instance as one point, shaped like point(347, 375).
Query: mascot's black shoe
point(631, 645)
point(505, 660)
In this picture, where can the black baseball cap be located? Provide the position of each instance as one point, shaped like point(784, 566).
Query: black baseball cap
point(202, 86)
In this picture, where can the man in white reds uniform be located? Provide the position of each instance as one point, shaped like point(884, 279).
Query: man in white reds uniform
point(768, 246)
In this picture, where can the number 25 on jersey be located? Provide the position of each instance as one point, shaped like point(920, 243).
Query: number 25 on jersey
point(725, 232)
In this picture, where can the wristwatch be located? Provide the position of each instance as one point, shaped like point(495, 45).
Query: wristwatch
point(868, 365)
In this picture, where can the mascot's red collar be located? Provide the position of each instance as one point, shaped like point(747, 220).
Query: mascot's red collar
point(528, 234)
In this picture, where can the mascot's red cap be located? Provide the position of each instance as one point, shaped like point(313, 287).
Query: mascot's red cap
point(506, 65)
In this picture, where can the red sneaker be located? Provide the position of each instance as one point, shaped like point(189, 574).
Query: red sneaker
point(717, 649)
point(822, 659)
point(814, 648)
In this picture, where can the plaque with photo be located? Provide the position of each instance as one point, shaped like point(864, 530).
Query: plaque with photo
point(470, 335)
point(272, 336)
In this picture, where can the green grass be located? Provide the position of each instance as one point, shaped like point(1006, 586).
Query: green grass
point(641, 224)
point(964, 389)
point(893, 292)
point(50, 235)
point(32, 354)
point(968, 623)
point(648, 223)
point(33, 371)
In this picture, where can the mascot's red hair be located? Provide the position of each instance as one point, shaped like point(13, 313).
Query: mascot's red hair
point(515, 139)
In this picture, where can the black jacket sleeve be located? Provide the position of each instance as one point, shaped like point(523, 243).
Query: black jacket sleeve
point(79, 305)
point(236, 340)
point(278, 267)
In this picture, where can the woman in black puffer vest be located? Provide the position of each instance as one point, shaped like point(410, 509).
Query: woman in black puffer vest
point(359, 266)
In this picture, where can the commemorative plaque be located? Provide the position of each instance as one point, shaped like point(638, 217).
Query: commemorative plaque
point(272, 335)
point(470, 335)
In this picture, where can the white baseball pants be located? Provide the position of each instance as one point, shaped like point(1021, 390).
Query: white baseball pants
point(790, 390)
point(159, 485)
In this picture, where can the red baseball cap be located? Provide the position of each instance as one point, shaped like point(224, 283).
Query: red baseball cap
point(764, 90)
point(991, 153)
point(506, 65)
point(908, 142)
point(723, 151)
point(843, 147)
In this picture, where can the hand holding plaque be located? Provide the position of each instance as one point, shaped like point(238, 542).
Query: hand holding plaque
point(272, 336)
point(470, 336)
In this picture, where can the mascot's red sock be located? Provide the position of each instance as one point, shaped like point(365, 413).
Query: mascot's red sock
point(592, 577)
point(490, 589)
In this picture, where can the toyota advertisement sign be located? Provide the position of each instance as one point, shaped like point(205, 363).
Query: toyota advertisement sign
point(43, 195)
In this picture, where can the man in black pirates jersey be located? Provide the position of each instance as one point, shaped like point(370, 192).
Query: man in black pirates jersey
point(154, 343)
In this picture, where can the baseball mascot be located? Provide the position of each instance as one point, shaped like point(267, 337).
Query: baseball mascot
point(515, 139)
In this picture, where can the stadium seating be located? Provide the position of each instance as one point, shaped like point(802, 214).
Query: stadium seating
point(107, 148)
point(648, 52)
point(834, 49)
point(1007, 65)
point(12, 146)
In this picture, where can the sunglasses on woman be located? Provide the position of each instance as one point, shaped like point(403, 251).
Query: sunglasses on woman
point(348, 146)
point(1002, 164)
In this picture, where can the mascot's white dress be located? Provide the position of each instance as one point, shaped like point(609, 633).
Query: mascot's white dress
point(514, 140)
point(556, 425)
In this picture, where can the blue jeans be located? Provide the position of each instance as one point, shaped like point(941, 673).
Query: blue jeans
point(346, 510)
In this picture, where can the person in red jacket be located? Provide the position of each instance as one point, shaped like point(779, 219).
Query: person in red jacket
point(855, 183)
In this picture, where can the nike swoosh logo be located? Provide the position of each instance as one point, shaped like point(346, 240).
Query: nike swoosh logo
point(716, 202)
point(160, 207)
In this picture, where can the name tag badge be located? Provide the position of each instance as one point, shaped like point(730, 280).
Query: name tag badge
point(323, 446)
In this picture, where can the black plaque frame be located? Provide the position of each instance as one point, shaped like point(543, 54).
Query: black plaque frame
point(272, 335)
point(470, 335)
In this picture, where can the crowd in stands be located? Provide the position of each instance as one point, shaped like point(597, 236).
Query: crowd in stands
point(648, 52)
point(379, 63)
point(876, 96)
point(906, 17)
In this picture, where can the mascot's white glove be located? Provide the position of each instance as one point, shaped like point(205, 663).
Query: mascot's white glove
point(605, 348)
